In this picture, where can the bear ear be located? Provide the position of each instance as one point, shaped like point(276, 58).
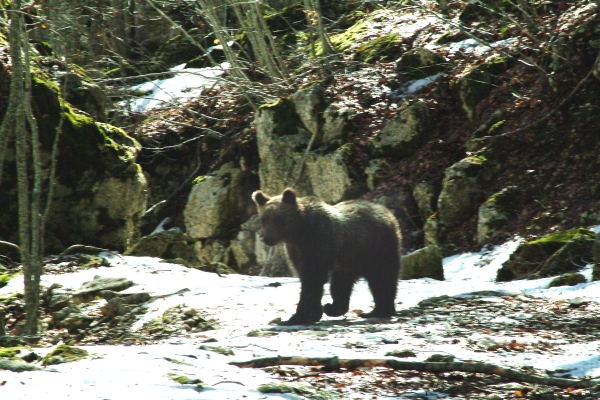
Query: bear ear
point(260, 198)
point(289, 196)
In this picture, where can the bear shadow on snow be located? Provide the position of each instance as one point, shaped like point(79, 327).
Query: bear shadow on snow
point(349, 240)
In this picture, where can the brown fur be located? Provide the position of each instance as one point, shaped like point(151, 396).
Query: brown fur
point(350, 240)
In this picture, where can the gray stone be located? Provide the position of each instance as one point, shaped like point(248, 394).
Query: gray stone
point(404, 133)
point(376, 172)
point(425, 195)
point(116, 307)
point(58, 301)
point(336, 123)
point(431, 230)
point(421, 62)
point(460, 193)
point(89, 290)
point(169, 244)
point(75, 322)
point(309, 105)
point(332, 178)
point(423, 263)
point(495, 212)
point(281, 142)
point(215, 203)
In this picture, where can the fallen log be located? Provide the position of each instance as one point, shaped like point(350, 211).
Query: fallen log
point(431, 367)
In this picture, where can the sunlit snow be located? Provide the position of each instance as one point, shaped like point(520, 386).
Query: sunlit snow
point(186, 84)
point(243, 303)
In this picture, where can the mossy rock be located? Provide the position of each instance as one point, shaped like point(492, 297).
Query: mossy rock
point(401, 353)
point(10, 352)
point(305, 391)
point(285, 117)
point(476, 84)
point(64, 354)
point(5, 278)
point(537, 256)
point(171, 244)
point(346, 40)
point(570, 279)
point(422, 263)
point(421, 62)
point(185, 380)
point(383, 48)
point(226, 351)
point(98, 184)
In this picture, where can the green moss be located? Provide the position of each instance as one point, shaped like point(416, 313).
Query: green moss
point(198, 179)
point(383, 48)
point(495, 128)
point(562, 237)
point(64, 354)
point(570, 279)
point(433, 216)
point(218, 349)
point(184, 380)
point(305, 391)
point(477, 159)
point(5, 278)
point(10, 352)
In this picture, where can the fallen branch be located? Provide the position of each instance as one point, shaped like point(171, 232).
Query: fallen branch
point(9, 244)
point(431, 367)
point(81, 248)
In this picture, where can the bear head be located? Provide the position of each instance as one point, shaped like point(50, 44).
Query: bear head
point(278, 215)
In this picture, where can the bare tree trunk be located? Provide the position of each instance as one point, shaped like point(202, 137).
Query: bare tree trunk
point(27, 145)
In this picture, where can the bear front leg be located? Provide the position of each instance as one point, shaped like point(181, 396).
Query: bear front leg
point(340, 289)
point(309, 308)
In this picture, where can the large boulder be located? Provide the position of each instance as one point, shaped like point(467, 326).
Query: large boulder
point(85, 95)
point(337, 121)
point(332, 176)
point(425, 195)
point(309, 105)
point(495, 213)
point(475, 84)
point(421, 62)
point(404, 133)
point(281, 140)
point(553, 254)
point(423, 263)
point(460, 193)
point(171, 244)
point(99, 190)
point(216, 203)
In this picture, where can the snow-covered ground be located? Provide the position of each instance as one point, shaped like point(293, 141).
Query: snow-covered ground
point(186, 84)
point(242, 304)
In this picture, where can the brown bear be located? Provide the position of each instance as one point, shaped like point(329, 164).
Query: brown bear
point(349, 240)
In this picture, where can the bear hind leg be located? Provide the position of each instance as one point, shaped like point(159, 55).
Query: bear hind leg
point(383, 288)
point(340, 289)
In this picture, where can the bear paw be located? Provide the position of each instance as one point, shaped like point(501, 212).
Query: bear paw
point(334, 310)
point(299, 319)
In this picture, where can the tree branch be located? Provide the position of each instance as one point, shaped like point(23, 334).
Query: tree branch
point(431, 367)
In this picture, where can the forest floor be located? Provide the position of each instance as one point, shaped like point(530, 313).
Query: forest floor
point(467, 318)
